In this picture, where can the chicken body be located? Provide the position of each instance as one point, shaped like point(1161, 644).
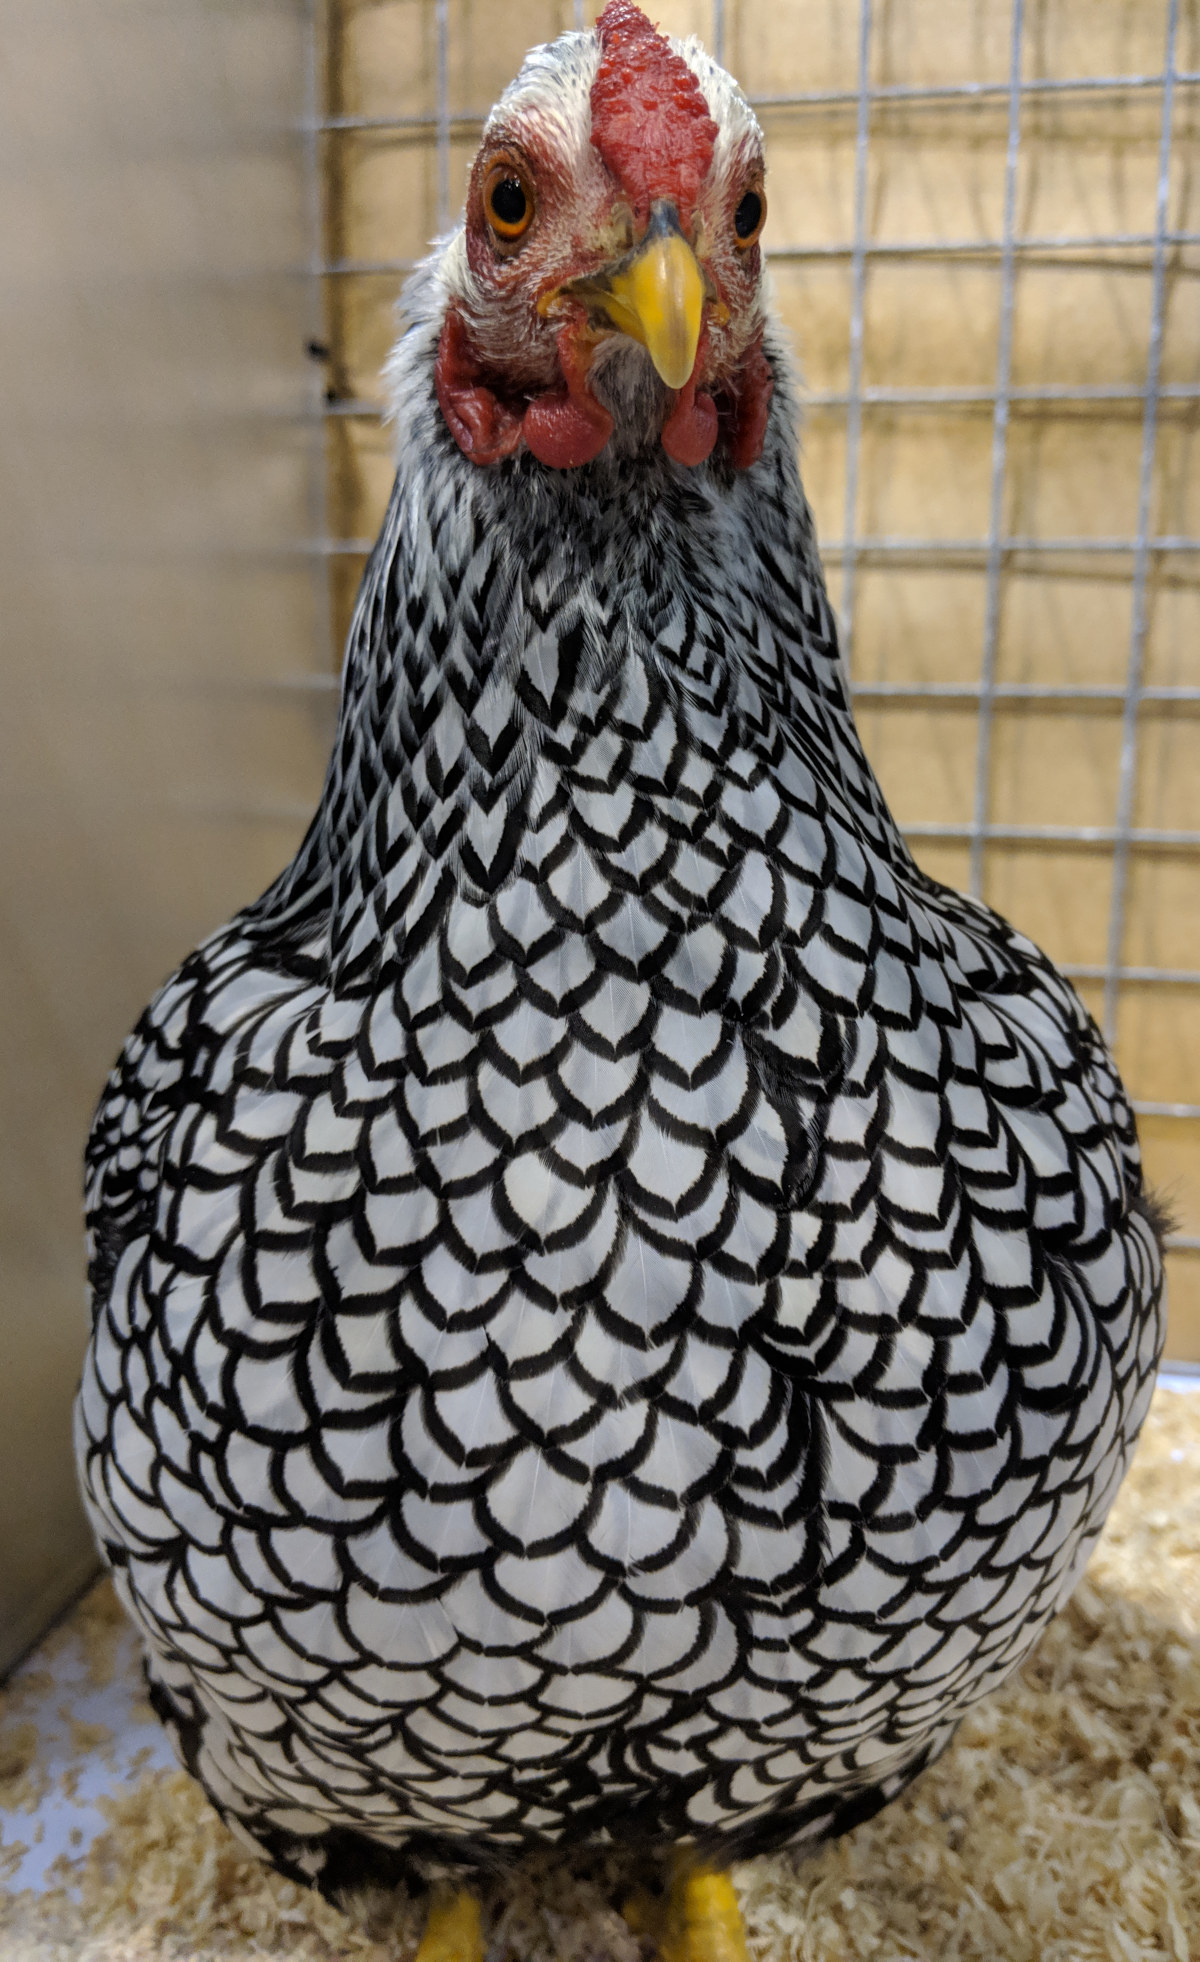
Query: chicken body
point(620, 1305)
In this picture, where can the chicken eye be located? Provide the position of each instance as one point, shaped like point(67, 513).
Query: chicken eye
point(507, 202)
point(749, 217)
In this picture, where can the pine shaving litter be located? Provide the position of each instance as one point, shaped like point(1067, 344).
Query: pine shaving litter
point(1063, 1825)
point(88, 1737)
point(22, 1783)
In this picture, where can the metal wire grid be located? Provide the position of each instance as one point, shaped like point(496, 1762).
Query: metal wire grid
point(997, 553)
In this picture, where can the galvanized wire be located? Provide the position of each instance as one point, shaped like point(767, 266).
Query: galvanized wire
point(717, 40)
point(442, 23)
point(319, 490)
point(1051, 246)
point(1141, 564)
point(858, 291)
point(1137, 559)
point(1000, 415)
point(911, 95)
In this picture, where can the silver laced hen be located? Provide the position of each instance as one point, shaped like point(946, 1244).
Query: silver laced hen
point(621, 1306)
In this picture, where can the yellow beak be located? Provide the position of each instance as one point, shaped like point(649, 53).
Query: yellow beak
point(657, 298)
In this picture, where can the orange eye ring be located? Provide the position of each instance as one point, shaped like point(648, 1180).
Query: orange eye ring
point(508, 201)
point(750, 216)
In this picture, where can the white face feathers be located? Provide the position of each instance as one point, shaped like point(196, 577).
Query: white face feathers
point(605, 280)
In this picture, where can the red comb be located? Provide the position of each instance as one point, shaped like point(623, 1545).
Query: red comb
point(650, 121)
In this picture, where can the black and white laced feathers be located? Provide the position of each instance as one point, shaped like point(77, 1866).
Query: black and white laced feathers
point(620, 1305)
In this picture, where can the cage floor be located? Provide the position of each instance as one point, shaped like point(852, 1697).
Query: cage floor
point(1062, 1825)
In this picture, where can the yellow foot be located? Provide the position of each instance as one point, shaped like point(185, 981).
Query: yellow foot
point(453, 1929)
point(697, 1920)
point(645, 1913)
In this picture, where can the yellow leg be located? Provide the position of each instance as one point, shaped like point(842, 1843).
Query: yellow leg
point(645, 1913)
point(453, 1929)
point(703, 1922)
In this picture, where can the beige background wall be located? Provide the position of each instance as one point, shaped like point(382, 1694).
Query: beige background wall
point(1088, 165)
point(160, 472)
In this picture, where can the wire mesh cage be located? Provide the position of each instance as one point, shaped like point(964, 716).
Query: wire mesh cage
point(984, 240)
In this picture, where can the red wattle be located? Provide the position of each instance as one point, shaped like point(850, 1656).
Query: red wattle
point(567, 430)
point(485, 427)
point(745, 406)
point(690, 431)
point(564, 432)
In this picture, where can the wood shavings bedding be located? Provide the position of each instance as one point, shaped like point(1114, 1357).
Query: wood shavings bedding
point(1063, 1825)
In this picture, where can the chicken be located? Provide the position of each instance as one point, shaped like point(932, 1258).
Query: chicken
point(620, 1305)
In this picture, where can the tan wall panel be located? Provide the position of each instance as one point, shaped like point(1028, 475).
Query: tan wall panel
point(919, 624)
point(1057, 626)
point(1059, 897)
point(926, 766)
point(159, 476)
